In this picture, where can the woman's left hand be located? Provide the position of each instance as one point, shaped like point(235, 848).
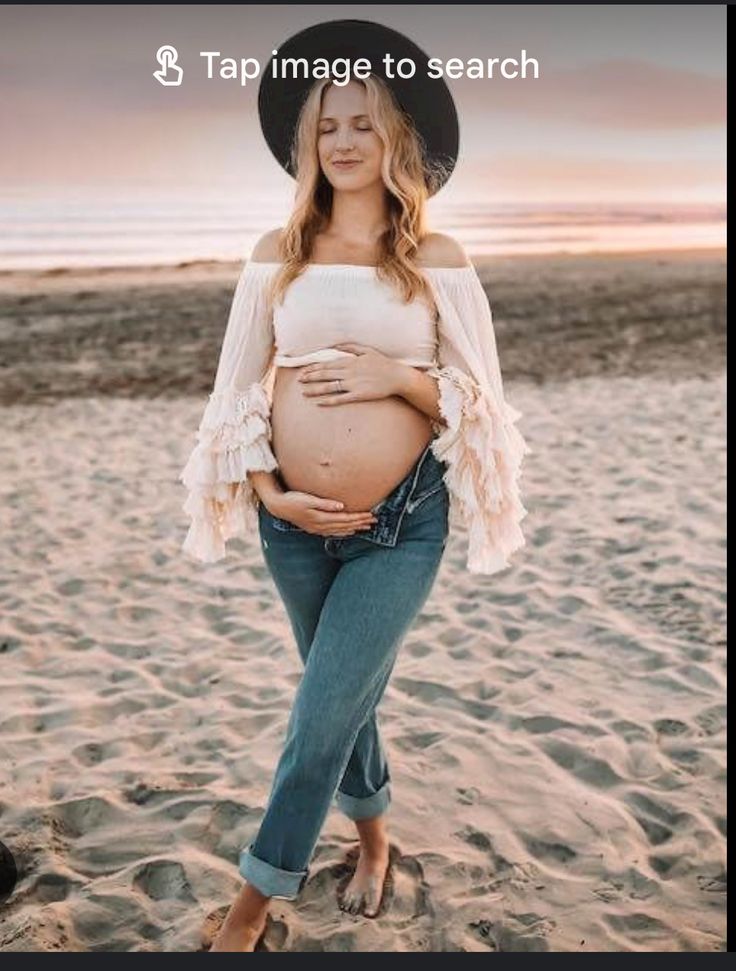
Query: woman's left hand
point(366, 376)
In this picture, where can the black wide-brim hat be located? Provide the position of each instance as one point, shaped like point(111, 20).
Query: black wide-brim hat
point(426, 100)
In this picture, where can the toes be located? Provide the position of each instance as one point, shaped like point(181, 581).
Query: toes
point(349, 905)
point(368, 900)
point(356, 900)
point(373, 898)
point(350, 900)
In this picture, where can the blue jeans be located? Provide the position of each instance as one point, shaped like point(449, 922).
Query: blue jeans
point(350, 601)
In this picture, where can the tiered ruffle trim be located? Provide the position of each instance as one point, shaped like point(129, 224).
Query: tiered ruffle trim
point(484, 451)
point(233, 439)
point(479, 442)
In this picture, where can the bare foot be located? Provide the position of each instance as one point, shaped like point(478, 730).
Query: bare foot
point(365, 889)
point(242, 928)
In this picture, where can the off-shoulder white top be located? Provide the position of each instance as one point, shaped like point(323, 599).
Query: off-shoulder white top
point(328, 304)
point(337, 303)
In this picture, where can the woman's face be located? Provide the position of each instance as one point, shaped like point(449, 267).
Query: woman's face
point(350, 151)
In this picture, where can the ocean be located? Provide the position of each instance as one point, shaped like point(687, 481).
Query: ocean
point(74, 229)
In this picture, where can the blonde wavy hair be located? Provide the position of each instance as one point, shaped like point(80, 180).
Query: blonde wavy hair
point(407, 175)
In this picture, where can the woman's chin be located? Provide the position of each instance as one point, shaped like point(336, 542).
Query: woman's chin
point(351, 179)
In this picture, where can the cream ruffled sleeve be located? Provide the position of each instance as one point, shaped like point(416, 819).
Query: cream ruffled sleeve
point(234, 435)
point(478, 439)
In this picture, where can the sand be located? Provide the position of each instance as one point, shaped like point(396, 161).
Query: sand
point(556, 732)
point(157, 332)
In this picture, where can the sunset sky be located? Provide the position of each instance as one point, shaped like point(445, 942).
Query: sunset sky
point(630, 106)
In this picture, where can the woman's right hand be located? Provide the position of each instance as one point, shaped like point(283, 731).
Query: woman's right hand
point(313, 514)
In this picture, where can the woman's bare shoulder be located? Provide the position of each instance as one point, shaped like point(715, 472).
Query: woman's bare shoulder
point(437, 250)
point(268, 247)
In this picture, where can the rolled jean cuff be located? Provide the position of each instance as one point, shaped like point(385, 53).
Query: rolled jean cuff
point(271, 880)
point(366, 807)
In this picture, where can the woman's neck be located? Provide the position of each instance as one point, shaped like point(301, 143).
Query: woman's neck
point(359, 218)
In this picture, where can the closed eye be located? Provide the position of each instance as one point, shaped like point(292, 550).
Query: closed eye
point(328, 131)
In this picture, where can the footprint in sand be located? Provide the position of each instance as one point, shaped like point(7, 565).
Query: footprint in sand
point(482, 841)
point(53, 886)
point(516, 932)
point(405, 895)
point(548, 852)
point(164, 880)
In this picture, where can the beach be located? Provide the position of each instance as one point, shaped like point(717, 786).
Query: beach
point(155, 332)
point(556, 732)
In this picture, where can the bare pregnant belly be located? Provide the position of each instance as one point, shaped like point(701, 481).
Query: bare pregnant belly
point(356, 452)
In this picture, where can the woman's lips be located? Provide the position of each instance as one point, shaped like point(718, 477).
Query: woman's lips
point(346, 164)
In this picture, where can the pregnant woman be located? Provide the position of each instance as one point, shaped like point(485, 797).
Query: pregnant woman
point(357, 412)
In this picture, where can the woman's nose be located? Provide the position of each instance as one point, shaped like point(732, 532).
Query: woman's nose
point(344, 139)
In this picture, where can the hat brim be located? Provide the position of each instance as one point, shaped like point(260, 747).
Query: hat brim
point(427, 100)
